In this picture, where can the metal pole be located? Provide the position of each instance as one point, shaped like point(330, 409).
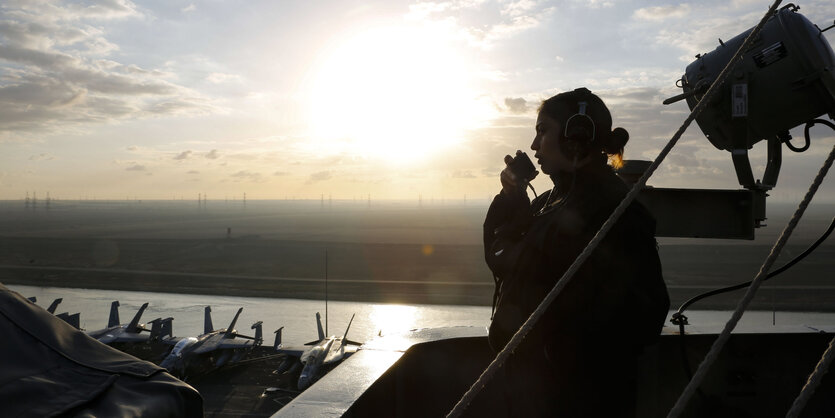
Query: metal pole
point(326, 292)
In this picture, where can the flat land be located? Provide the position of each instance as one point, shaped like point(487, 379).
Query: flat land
point(388, 252)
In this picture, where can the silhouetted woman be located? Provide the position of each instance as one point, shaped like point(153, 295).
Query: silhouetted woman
point(580, 359)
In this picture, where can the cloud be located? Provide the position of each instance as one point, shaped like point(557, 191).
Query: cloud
point(245, 175)
point(516, 105)
point(56, 74)
point(183, 155)
point(425, 9)
point(595, 4)
point(661, 13)
point(41, 157)
point(320, 176)
point(494, 25)
point(193, 172)
point(487, 37)
point(212, 155)
point(190, 8)
point(683, 163)
point(518, 8)
point(281, 173)
point(176, 106)
point(463, 174)
point(493, 75)
point(90, 10)
point(703, 26)
point(107, 9)
point(136, 167)
point(218, 78)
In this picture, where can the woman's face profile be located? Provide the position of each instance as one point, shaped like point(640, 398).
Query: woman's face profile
point(546, 144)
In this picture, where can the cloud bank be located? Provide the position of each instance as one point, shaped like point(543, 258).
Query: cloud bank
point(58, 70)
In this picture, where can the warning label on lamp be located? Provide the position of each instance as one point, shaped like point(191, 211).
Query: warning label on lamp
point(739, 100)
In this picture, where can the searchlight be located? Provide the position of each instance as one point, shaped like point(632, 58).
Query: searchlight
point(784, 80)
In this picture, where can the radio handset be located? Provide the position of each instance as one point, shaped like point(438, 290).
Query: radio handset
point(522, 167)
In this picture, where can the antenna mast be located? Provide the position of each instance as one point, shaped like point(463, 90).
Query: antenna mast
point(326, 292)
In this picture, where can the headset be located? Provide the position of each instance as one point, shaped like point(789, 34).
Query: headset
point(579, 128)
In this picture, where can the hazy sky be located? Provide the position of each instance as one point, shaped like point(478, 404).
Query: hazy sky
point(167, 98)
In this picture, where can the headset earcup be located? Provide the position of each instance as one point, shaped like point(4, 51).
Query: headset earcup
point(578, 133)
point(574, 146)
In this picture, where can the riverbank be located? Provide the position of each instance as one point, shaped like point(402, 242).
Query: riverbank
point(388, 254)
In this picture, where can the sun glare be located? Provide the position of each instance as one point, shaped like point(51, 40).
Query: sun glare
point(393, 319)
point(396, 93)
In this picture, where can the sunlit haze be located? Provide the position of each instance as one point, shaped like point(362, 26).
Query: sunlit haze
point(117, 99)
point(393, 93)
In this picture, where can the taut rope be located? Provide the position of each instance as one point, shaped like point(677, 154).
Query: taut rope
point(813, 382)
point(711, 356)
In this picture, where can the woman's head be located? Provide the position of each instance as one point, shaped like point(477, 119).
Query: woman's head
point(587, 138)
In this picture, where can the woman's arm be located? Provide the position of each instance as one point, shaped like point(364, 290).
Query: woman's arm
point(506, 223)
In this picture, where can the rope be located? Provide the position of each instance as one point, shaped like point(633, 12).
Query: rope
point(749, 295)
point(678, 317)
point(523, 331)
point(814, 381)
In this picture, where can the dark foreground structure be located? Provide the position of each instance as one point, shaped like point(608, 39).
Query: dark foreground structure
point(425, 373)
point(52, 369)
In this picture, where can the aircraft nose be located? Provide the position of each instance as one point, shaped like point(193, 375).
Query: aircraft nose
point(167, 363)
point(304, 382)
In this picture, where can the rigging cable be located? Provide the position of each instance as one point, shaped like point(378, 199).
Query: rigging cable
point(801, 256)
point(717, 346)
point(826, 359)
point(813, 382)
point(520, 334)
point(678, 318)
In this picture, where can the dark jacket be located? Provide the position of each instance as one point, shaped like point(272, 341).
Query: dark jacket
point(52, 369)
point(589, 338)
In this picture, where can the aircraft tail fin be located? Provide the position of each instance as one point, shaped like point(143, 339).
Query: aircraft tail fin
point(134, 323)
point(345, 335)
point(156, 329)
point(319, 326)
point(74, 319)
point(207, 320)
point(231, 330)
point(51, 309)
point(259, 335)
point(277, 342)
point(114, 315)
point(167, 327)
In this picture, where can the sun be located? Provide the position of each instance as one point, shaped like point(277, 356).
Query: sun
point(397, 93)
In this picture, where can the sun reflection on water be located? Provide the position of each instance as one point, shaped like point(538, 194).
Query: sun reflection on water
point(393, 319)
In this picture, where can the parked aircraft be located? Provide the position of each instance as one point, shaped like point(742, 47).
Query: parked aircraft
point(210, 350)
point(72, 319)
point(117, 332)
point(325, 353)
point(54, 305)
point(162, 327)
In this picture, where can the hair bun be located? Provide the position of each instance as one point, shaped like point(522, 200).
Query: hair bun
point(616, 141)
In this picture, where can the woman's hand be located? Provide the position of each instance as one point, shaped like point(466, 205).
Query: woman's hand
point(511, 186)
